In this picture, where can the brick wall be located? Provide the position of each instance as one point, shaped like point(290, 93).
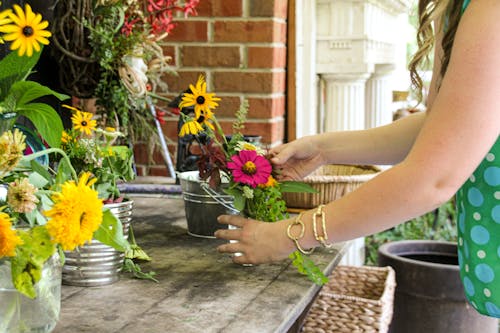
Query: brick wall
point(240, 48)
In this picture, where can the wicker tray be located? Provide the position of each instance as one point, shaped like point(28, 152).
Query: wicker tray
point(331, 182)
point(356, 299)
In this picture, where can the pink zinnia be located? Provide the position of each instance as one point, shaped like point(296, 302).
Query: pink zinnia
point(249, 168)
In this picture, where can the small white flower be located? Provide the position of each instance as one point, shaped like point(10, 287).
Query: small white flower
point(247, 192)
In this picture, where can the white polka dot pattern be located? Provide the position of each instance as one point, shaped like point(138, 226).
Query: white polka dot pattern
point(478, 205)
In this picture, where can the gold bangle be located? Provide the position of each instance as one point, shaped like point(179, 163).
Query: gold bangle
point(298, 221)
point(324, 236)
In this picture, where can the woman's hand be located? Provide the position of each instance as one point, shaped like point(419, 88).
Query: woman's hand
point(296, 159)
point(258, 242)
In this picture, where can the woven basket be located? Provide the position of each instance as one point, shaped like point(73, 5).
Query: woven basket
point(331, 182)
point(356, 299)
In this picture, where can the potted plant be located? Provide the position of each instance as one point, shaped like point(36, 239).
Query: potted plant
point(234, 173)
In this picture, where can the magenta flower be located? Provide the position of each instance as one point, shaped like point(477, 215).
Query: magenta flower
point(249, 168)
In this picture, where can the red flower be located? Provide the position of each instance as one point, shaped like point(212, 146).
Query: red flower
point(250, 168)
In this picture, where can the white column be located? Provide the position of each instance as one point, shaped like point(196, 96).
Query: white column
point(345, 101)
point(378, 100)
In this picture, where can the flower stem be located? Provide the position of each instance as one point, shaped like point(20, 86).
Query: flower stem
point(49, 151)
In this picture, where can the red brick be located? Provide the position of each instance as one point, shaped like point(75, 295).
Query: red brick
point(227, 106)
point(180, 82)
point(140, 170)
point(265, 31)
point(266, 57)
point(169, 51)
point(266, 107)
point(271, 132)
point(249, 82)
point(210, 56)
point(161, 171)
point(189, 30)
point(217, 8)
point(269, 8)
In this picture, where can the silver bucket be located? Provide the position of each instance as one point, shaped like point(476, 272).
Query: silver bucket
point(97, 264)
point(202, 205)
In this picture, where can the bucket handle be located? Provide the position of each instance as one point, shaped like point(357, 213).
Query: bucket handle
point(216, 196)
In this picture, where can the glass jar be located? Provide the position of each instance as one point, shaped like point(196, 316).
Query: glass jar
point(21, 314)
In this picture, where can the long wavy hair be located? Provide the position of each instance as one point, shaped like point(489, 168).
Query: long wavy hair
point(434, 15)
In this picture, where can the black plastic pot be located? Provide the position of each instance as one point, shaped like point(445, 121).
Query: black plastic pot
point(429, 295)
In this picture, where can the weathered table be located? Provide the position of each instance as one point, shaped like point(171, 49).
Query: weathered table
point(199, 289)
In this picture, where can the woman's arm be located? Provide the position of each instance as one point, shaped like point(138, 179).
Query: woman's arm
point(455, 137)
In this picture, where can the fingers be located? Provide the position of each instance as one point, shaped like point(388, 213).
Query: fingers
point(235, 220)
point(281, 154)
point(234, 234)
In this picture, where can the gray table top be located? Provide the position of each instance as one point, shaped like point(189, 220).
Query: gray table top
point(199, 289)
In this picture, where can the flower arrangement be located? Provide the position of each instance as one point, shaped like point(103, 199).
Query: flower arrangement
point(122, 40)
point(93, 149)
point(43, 208)
point(251, 177)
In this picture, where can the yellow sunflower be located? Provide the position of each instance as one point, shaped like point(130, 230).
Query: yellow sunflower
point(76, 213)
point(199, 98)
point(190, 127)
point(8, 237)
point(83, 122)
point(26, 32)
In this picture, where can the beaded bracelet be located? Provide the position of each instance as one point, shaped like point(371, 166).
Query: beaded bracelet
point(298, 221)
point(324, 237)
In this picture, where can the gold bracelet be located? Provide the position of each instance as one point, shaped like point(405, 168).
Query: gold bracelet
point(324, 236)
point(298, 221)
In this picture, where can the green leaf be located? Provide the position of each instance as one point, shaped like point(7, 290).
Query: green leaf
point(14, 68)
point(28, 263)
point(40, 171)
point(296, 187)
point(307, 267)
point(110, 232)
point(239, 199)
point(28, 91)
point(46, 120)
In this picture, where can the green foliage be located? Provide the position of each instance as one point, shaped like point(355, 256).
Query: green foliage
point(110, 232)
point(28, 262)
point(437, 225)
point(307, 267)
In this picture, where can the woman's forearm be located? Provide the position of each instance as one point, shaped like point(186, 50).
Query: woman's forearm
point(384, 145)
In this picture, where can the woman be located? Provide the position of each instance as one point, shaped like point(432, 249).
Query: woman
point(451, 149)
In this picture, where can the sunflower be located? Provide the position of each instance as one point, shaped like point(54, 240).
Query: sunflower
point(8, 237)
point(26, 32)
point(83, 122)
point(199, 98)
point(249, 168)
point(190, 127)
point(76, 213)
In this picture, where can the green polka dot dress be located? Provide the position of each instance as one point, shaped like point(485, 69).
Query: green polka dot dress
point(478, 208)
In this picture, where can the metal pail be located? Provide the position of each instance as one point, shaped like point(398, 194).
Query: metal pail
point(202, 208)
point(97, 264)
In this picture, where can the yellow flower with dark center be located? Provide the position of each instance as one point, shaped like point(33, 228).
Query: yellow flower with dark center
point(8, 237)
point(21, 196)
point(27, 31)
point(199, 98)
point(190, 127)
point(83, 122)
point(76, 213)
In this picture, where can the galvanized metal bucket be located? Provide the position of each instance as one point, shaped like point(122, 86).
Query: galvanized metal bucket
point(202, 205)
point(97, 264)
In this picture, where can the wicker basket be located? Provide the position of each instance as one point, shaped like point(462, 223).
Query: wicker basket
point(331, 182)
point(356, 299)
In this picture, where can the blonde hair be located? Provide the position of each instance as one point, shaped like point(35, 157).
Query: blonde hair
point(434, 15)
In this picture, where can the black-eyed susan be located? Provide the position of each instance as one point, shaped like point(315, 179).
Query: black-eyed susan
point(199, 98)
point(190, 127)
point(8, 237)
point(27, 30)
point(76, 213)
point(83, 122)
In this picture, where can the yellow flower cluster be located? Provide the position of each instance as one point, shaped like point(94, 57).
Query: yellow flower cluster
point(76, 213)
point(8, 237)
